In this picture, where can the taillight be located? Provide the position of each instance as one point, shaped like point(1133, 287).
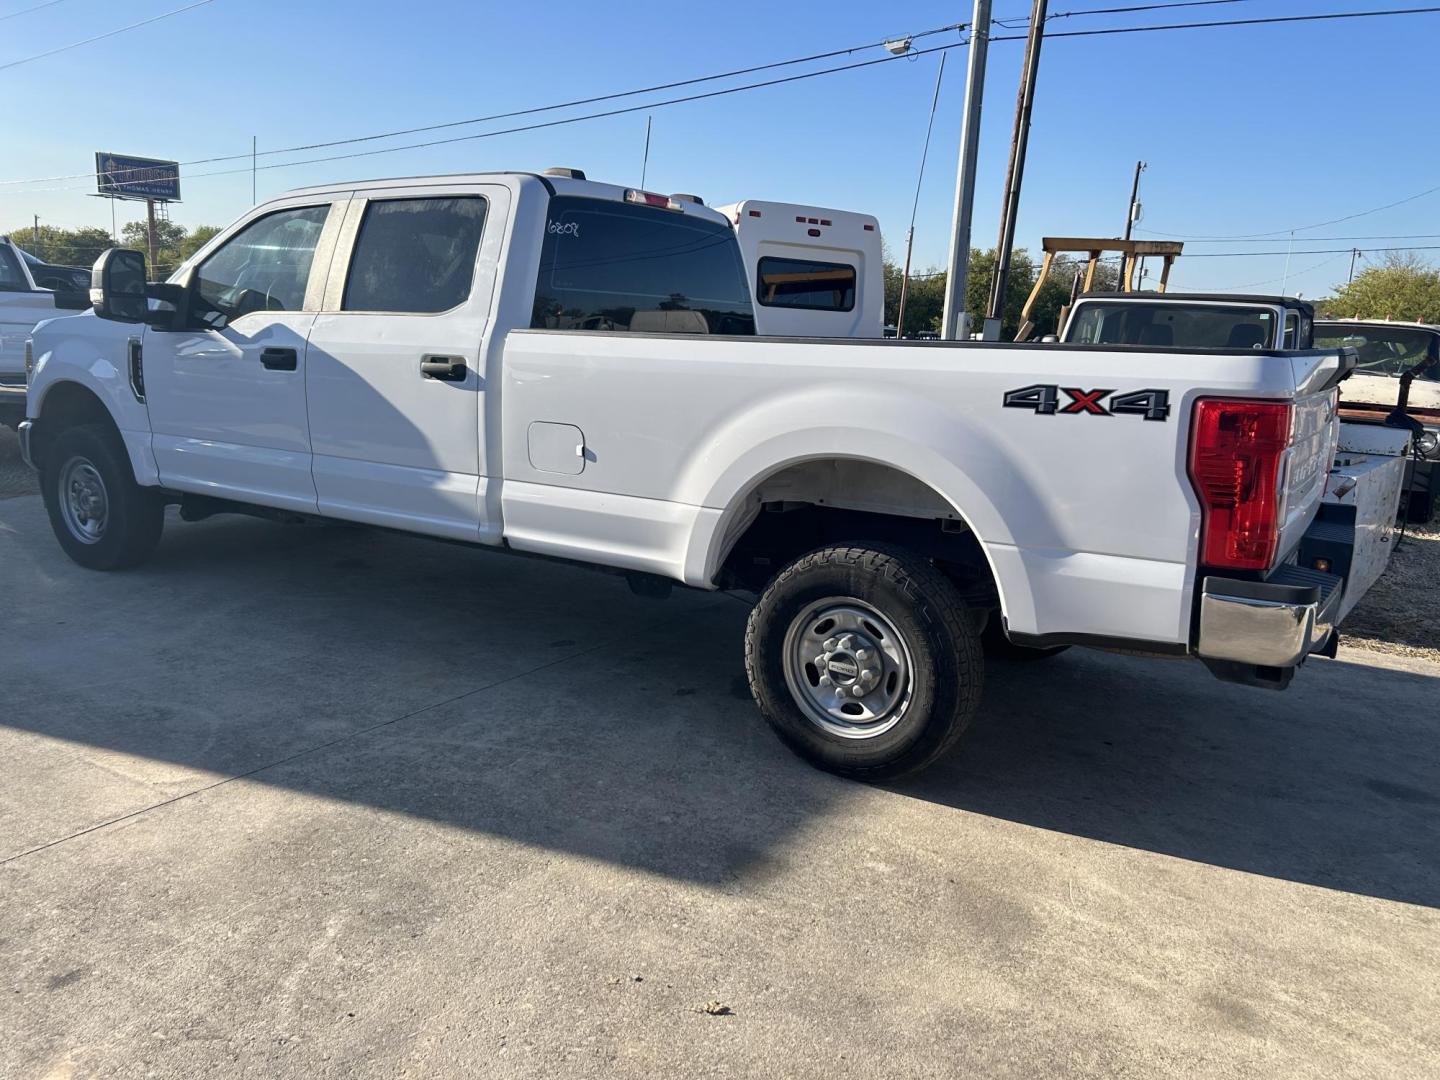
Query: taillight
point(649, 198)
point(1237, 449)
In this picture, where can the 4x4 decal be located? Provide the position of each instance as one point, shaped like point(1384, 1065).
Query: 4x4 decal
point(1043, 399)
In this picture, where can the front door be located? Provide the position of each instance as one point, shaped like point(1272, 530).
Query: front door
point(395, 372)
point(227, 407)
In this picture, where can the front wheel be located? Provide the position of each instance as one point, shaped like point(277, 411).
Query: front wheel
point(103, 519)
point(865, 661)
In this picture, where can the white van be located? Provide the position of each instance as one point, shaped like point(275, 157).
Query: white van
point(813, 272)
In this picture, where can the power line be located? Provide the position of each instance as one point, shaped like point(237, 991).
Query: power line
point(574, 103)
point(751, 86)
point(28, 10)
point(1306, 251)
point(102, 37)
point(1270, 281)
point(1016, 22)
point(1314, 225)
point(1308, 239)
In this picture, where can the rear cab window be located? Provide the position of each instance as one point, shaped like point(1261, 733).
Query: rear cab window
point(1161, 325)
point(613, 266)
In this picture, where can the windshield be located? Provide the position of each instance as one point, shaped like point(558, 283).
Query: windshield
point(31, 259)
point(1384, 350)
point(1159, 325)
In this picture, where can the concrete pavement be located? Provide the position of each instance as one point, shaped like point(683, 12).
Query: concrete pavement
point(324, 802)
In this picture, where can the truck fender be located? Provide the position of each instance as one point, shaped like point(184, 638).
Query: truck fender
point(73, 362)
point(877, 425)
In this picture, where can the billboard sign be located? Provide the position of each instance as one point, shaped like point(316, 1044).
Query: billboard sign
point(120, 176)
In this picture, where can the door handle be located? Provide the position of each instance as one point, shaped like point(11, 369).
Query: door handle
point(444, 368)
point(282, 359)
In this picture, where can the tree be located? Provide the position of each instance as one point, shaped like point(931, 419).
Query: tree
point(925, 300)
point(1402, 286)
point(198, 238)
point(64, 247)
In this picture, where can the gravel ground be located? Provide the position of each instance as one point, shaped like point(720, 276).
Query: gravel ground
point(1399, 613)
point(15, 477)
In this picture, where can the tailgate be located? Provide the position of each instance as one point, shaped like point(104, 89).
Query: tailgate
point(1314, 435)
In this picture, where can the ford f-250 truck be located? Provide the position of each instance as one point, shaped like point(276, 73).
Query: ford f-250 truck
point(569, 368)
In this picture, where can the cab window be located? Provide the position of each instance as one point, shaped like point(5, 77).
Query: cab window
point(265, 266)
point(613, 266)
point(415, 255)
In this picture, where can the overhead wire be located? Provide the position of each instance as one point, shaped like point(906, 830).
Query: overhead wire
point(717, 93)
point(100, 37)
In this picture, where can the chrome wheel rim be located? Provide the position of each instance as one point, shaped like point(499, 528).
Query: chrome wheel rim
point(84, 502)
point(848, 668)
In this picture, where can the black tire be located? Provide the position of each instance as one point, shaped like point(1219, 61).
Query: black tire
point(937, 639)
point(133, 516)
point(996, 644)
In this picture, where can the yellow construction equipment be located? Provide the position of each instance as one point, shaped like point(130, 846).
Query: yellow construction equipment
point(1131, 252)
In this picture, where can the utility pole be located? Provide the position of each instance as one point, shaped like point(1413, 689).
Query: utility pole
point(35, 238)
point(1132, 215)
point(1015, 174)
point(150, 231)
point(1354, 253)
point(954, 324)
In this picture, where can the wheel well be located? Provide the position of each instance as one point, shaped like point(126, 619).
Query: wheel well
point(819, 503)
point(67, 405)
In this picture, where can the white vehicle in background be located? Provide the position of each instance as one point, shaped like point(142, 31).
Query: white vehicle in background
point(1386, 351)
point(813, 272)
point(23, 304)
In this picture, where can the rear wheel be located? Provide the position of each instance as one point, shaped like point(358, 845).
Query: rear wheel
point(102, 518)
point(864, 661)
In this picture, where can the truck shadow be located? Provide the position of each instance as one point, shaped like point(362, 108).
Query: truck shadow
point(546, 705)
point(1334, 783)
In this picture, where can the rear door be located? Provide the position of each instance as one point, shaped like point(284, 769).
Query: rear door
point(395, 375)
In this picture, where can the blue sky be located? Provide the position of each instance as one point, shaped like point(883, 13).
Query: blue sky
point(1245, 130)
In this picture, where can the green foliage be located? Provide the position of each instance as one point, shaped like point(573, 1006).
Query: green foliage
point(81, 247)
point(925, 301)
point(64, 247)
point(1401, 286)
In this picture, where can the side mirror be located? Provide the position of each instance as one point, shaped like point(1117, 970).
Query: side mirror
point(117, 286)
point(72, 300)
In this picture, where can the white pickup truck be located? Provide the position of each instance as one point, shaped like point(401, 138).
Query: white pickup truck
point(569, 368)
point(23, 304)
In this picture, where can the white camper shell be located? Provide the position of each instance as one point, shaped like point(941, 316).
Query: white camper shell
point(814, 272)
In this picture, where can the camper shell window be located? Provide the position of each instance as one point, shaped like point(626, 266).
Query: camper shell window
point(805, 283)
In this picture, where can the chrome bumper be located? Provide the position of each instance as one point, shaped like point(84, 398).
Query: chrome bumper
point(1274, 624)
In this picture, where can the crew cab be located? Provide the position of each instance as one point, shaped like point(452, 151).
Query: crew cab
point(569, 368)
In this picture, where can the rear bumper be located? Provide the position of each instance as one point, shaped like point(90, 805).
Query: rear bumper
point(1275, 623)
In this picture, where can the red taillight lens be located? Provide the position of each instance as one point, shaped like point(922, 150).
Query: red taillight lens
point(1236, 452)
